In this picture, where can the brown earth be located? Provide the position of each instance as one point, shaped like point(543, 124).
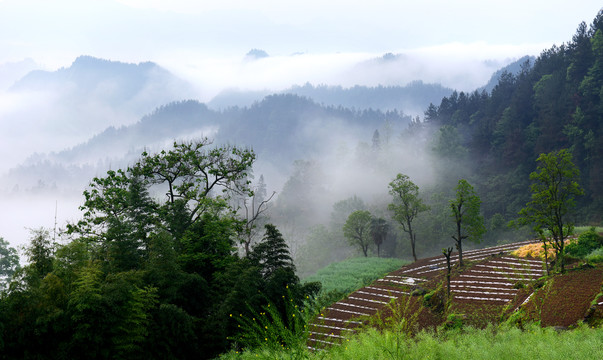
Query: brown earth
point(565, 299)
point(492, 286)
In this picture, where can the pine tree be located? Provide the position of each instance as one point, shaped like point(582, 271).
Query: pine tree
point(272, 253)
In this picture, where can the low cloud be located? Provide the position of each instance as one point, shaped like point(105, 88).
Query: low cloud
point(464, 67)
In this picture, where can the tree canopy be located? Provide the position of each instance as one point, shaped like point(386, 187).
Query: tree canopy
point(406, 206)
point(554, 190)
point(152, 269)
point(357, 229)
point(465, 210)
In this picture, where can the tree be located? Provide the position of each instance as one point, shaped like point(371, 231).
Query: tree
point(357, 229)
point(379, 229)
point(465, 209)
point(40, 252)
point(272, 253)
point(554, 190)
point(254, 214)
point(9, 262)
point(406, 206)
point(447, 252)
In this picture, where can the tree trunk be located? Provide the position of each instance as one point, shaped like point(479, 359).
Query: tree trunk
point(412, 245)
point(459, 248)
point(413, 238)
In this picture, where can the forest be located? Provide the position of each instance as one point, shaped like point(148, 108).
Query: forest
point(176, 245)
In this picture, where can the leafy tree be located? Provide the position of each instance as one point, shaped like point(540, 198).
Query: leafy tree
point(465, 210)
point(342, 210)
point(379, 229)
point(554, 191)
point(406, 206)
point(357, 229)
point(9, 262)
point(40, 252)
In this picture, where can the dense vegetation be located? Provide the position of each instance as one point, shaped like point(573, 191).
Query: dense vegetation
point(553, 103)
point(142, 276)
point(469, 343)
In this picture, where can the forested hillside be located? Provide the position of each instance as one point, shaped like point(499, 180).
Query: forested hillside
point(280, 129)
point(554, 103)
point(412, 97)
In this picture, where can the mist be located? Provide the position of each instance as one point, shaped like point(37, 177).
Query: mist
point(202, 53)
point(42, 118)
point(464, 67)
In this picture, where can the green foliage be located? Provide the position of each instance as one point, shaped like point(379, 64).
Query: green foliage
point(40, 252)
point(454, 321)
point(9, 262)
point(272, 252)
point(400, 322)
point(436, 300)
point(277, 330)
point(351, 274)
point(357, 229)
point(506, 342)
point(586, 243)
point(406, 206)
point(554, 191)
point(595, 256)
point(379, 230)
point(146, 277)
point(465, 210)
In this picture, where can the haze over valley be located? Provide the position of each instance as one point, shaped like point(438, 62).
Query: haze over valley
point(71, 112)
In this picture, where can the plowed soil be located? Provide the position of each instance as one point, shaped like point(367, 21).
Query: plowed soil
point(566, 299)
point(492, 285)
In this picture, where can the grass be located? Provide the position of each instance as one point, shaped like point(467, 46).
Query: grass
point(469, 343)
point(581, 229)
point(352, 274)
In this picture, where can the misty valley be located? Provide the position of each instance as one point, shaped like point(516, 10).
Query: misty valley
point(147, 223)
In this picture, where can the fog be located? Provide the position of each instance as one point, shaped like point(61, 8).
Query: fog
point(464, 67)
point(37, 122)
point(204, 47)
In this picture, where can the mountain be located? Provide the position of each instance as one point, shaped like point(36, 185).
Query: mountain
point(13, 71)
point(281, 128)
point(412, 98)
point(513, 68)
point(93, 94)
point(111, 83)
point(554, 104)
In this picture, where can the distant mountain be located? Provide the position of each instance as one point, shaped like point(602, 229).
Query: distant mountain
point(513, 68)
point(13, 71)
point(93, 94)
point(281, 128)
point(256, 54)
point(112, 82)
point(412, 98)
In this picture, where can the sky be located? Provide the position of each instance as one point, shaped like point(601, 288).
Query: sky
point(53, 33)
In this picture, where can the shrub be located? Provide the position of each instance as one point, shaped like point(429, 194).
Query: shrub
point(455, 321)
point(587, 242)
point(596, 256)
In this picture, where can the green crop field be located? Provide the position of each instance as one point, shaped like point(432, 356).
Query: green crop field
point(351, 274)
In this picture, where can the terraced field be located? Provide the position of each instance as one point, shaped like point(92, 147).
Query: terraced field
point(492, 281)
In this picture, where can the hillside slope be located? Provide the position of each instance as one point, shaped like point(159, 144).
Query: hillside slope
point(494, 286)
